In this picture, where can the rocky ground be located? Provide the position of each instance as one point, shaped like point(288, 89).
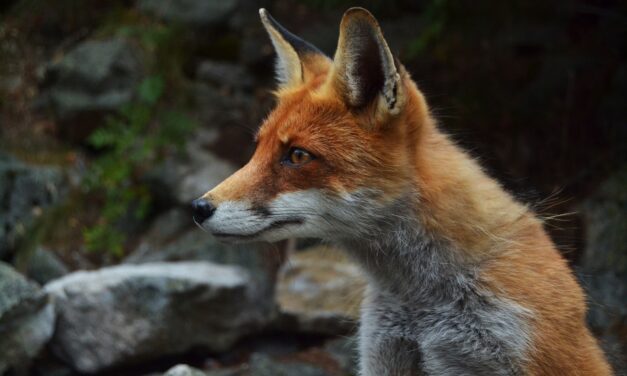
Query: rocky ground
point(172, 301)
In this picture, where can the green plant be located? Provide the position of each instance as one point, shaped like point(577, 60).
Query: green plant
point(130, 142)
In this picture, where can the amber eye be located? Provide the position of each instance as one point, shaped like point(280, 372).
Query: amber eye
point(298, 157)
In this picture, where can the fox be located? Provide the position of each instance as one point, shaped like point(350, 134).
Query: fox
point(461, 278)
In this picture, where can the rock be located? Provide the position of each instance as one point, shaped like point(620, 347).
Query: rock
point(192, 13)
point(183, 179)
point(319, 291)
point(132, 313)
point(43, 266)
point(184, 370)
point(344, 352)
point(26, 320)
point(95, 78)
point(262, 365)
point(219, 109)
point(224, 75)
point(24, 192)
point(603, 266)
point(174, 237)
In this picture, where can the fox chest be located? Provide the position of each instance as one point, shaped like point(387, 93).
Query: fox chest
point(476, 336)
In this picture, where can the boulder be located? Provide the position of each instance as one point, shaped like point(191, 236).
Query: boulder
point(132, 313)
point(319, 291)
point(95, 78)
point(263, 365)
point(25, 191)
point(344, 351)
point(174, 237)
point(43, 266)
point(26, 320)
point(181, 179)
point(603, 265)
point(224, 75)
point(184, 370)
point(220, 109)
point(337, 357)
point(192, 13)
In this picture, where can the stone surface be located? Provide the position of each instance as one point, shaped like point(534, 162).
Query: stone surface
point(174, 237)
point(43, 266)
point(603, 266)
point(94, 78)
point(220, 109)
point(224, 75)
point(183, 179)
point(194, 13)
point(183, 370)
point(344, 352)
point(25, 191)
point(132, 313)
point(319, 291)
point(262, 365)
point(26, 320)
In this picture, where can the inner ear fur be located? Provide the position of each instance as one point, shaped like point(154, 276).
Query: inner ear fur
point(365, 72)
point(297, 61)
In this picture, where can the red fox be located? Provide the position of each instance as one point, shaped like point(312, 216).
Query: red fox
point(462, 279)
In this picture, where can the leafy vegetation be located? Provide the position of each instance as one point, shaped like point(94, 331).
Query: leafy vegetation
point(131, 140)
point(135, 138)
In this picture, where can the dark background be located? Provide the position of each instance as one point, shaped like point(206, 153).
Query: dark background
point(535, 90)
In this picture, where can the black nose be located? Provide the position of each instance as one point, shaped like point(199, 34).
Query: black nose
point(202, 210)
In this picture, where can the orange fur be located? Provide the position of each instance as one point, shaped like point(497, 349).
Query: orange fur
point(458, 202)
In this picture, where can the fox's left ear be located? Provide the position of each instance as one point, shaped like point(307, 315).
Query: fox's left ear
point(297, 60)
point(364, 70)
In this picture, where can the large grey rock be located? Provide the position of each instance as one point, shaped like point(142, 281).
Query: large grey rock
point(182, 179)
point(26, 320)
point(96, 77)
point(183, 370)
point(174, 237)
point(224, 75)
point(43, 266)
point(24, 192)
point(194, 13)
point(263, 365)
point(219, 109)
point(344, 352)
point(603, 266)
point(319, 291)
point(132, 313)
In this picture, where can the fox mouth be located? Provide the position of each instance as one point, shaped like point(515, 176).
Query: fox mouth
point(272, 226)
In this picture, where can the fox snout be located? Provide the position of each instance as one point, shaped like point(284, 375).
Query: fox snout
point(202, 209)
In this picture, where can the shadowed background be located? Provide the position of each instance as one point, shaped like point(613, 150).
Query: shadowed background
point(114, 115)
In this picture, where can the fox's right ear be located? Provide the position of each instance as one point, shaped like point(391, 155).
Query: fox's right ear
point(297, 60)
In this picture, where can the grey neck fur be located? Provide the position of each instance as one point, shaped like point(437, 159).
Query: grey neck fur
point(421, 292)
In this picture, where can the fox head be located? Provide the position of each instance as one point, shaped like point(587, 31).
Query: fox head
point(335, 153)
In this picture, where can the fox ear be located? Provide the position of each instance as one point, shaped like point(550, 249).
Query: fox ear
point(297, 60)
point(364, 70)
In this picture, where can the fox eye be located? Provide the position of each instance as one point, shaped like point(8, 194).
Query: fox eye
point(298, 157)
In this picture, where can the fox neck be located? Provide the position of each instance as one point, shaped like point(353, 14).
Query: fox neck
point(431, 241)
point(405, 261)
